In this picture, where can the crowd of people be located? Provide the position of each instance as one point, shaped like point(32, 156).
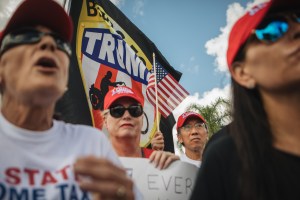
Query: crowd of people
point(256, 156)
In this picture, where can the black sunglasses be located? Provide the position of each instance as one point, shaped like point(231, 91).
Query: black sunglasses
point(119, 110)
point(31, 36)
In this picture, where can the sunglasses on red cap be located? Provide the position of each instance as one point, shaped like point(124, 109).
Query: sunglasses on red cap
point(31, 36)
point(118, 111)
point(274, 28)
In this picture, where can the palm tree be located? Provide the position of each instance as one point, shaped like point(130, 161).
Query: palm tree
point(217, 114)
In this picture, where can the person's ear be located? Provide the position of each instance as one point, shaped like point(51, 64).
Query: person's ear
point(1, 75)
point(179, 138)
point(105, 121)
point(142, 119)
point(241, 74)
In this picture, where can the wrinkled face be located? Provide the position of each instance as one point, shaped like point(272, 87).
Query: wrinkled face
point(126, 126)
point(35, 74)
point(193, 134)
point(275, 66)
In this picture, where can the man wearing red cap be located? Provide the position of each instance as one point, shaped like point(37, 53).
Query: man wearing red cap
point(192, 134)
point(42, 158)
point(123, 119)
point(260, 157)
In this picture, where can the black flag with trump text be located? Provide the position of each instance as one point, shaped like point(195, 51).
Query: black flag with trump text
point(108, 51)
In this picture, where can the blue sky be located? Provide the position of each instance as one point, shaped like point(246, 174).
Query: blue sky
point(180, 30)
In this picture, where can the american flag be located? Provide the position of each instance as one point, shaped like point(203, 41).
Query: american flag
point(170, 93)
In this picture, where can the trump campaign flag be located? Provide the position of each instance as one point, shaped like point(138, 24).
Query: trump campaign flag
point(108, 51)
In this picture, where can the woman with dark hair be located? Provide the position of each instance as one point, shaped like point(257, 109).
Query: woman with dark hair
point(260, 157)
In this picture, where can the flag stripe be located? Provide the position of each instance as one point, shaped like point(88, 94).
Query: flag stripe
point(161, 103)
point(178, 88)
point(162, 109)
point(170, 92)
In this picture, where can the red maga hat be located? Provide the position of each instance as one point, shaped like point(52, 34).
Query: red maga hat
point(182, 118)
point(243, 28)
point(120, 92)
point(47, 13)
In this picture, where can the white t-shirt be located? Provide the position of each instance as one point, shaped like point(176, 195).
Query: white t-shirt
point(184, 158)
point(38, 164)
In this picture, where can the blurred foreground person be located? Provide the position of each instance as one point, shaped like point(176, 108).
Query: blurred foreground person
point(260, 157)
point(37, 152)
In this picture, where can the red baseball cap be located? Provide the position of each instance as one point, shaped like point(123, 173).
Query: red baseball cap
point(243, 28)
point(120, 92)
point(47, 13)
point(182, 118)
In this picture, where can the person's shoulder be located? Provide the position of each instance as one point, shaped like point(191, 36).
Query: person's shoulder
point(221, 147)
point(217, 136)
point(218, 171)
point(221, 158)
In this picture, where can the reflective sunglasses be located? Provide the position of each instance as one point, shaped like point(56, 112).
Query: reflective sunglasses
point(189, 127)
point(119, 110)
point(32, 36)
point(274, 28)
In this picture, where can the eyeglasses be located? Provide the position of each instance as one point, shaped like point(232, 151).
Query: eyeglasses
point(119, 110)
point(32, 36)
point(189, 127)
point(274, 28)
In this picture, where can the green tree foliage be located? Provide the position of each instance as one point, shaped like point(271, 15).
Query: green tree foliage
point(217, 114)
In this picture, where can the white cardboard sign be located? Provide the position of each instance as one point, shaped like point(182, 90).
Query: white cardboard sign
point(174, 183)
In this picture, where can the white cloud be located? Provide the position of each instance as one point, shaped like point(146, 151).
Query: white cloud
point(206, 99)
point(217, 46)
point(8, 7)
point(118, 3)
point(195, 69)
point(138, 8)
point(192, 58)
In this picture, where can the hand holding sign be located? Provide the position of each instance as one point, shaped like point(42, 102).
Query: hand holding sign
point(103, 179)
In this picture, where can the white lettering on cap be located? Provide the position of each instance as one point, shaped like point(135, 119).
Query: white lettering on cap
point(185, 115)
point(121, 90)
point(257, 8)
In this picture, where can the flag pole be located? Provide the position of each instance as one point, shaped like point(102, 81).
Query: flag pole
point(156, 97)
point(67, 5)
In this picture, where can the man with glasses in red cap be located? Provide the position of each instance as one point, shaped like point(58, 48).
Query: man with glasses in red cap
point(260, 157)
point(42, 158)
point(192, 134)
point(123, 119)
